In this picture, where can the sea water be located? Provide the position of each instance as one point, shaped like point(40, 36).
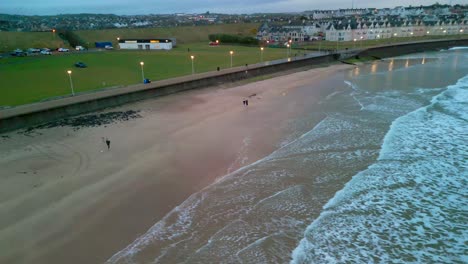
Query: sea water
point(411, 205)
point(380, 179)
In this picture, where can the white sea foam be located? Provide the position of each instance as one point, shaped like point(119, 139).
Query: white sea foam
point(410, 206)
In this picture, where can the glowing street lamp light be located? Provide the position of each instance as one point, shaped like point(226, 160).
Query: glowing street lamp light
point(287, 50)
point(354, 43)
point(217, 41)
point(193, 68)
point(261, 54)
point(142, 71)
point(71, 82)
point(231, 52)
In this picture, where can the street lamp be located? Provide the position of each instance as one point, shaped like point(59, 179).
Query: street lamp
point(261, 54)
point(361, 40)
point(193, 69)
point(287, 50)
point(217, 41)
point(231, 52)
point(354, 43)
point(142, 72)
point(71, 82)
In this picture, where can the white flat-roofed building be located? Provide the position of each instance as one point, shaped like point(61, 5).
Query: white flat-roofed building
point(146, 44)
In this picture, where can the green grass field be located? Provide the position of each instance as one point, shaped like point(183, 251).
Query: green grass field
point(31, 79)
point(183, 35)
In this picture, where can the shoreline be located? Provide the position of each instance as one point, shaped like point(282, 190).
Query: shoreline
point(142, 178)
point(36, 113)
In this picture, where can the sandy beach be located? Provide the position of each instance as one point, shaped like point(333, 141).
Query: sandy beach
point(66, 198)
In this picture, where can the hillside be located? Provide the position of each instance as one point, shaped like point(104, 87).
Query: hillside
point(23, 40)
point(186, 34)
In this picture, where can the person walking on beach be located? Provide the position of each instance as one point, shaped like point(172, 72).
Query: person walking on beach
point(108, 143)
point(247, 102)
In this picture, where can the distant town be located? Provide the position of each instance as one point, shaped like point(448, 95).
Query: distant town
point(333, 25)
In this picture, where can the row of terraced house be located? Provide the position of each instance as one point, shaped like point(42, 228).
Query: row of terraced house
point(359, 30)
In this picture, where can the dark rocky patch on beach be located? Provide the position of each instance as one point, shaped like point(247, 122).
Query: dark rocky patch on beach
point(92, 120)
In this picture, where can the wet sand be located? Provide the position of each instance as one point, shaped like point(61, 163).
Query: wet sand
point(65, 198)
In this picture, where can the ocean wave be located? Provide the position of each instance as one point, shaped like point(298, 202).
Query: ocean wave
point(410, 206)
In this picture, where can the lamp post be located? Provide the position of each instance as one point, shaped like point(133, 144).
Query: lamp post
point(231, 52)
point(193, 68)
point(287, 50)
point(142, 72)
point(361, 41)
point(71, 82)
point(354, 43)
point(261, 54)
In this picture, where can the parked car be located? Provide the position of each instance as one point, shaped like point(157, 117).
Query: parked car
point(46, 52)
point(18, 53)
point(33, 50)
point(80, 48)
point(108, 47)
point(63, 50)
point(80, 65)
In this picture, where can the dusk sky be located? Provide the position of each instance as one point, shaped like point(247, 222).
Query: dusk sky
point(132, 7)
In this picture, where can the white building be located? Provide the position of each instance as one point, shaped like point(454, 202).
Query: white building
point(384, 30)
point(146, 44)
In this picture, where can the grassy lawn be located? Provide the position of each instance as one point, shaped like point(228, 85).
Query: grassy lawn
point(31, 79)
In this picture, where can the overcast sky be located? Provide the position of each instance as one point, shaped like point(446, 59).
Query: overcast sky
point(132, 7)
